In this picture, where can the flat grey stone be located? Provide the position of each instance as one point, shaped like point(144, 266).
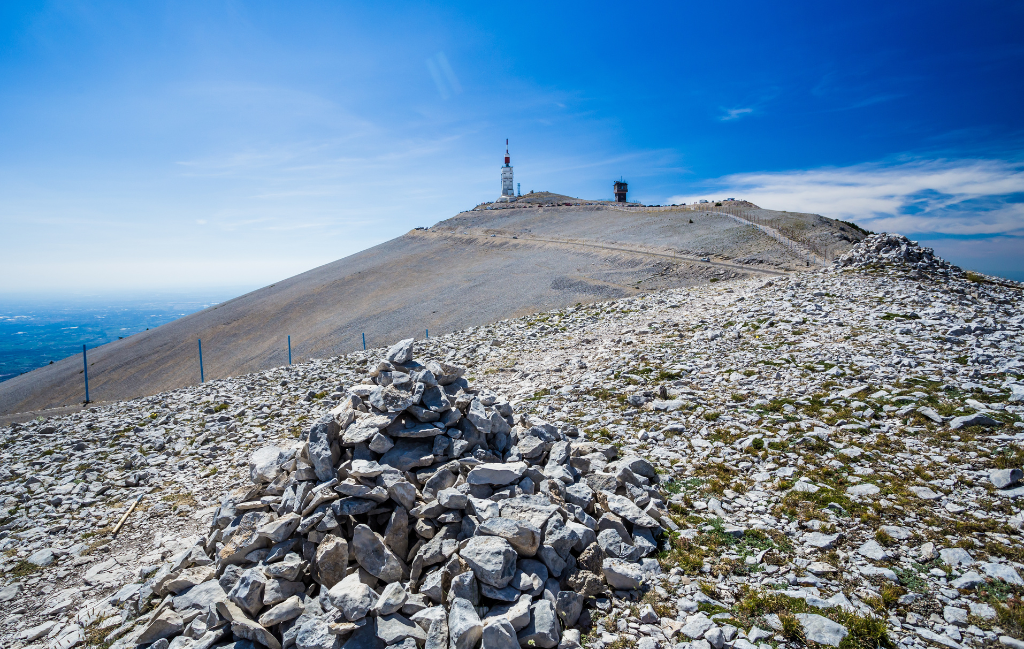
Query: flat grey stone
point(517, 613)
point(280, 529)
point(363, 430)
point(569, 605)
point(278, 590)
point(639, 466)
point(615, 546)
point(924, 493)
point(402, 492)
point(478, 417)
point(956, 557)
point(1005, 478)
point(954, 615)
point(872, 571)
point(622, 575)
point(381, 443)
point(696, 626)
point(804, 486)
point(289, 609)
point(395, 628)
point(968, 581)
point(331, 560)
point(409, 454)
point(201, 596)
point(465, 586)
point(165, 625)
point(715, 637)
point(492, 559)
point(497, 474)
point(624, 507)
point(426, 617)
point(506, 594)
point(896, 532)
point(391, 599)
point(318, 447)
point(452, 498)
point(250, 630)
point(976, 419)
point(821, 630)
point(352, 597)
point(390, 399)
point(36, 632)
point(499, 634)
point(543, 630)
point(849, 392)
point(421, 431)
point(248, 591)
point(9, 592)
point(265, 463)
point(1012, 643)
point(937, 638)
point(464, 625)
point(864, 489)
point(874, 551)
point(437, 633)
point(1002, 571)
point(401, 352)
point(41, 558)
point(374, 556)
point(535, 509)
point(522, 535)
point(820, 541)
point(579, 494)
point(984, 611)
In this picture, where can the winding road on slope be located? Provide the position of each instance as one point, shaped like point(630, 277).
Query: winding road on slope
point(590, 244)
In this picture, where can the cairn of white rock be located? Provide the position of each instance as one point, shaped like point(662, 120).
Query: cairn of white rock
point(888, 249)
point(418, 513)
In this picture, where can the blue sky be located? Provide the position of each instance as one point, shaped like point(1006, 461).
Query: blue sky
point(225, 145)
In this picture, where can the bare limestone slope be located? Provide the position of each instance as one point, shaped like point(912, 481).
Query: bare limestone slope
point(473, 269)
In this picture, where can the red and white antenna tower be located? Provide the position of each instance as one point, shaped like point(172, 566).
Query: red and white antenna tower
point(507, 191)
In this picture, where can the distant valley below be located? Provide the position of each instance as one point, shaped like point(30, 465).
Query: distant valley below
point(34, 333)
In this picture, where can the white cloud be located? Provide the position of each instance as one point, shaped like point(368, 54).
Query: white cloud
point(443, 75)
point(735, 113)
point(948, 197)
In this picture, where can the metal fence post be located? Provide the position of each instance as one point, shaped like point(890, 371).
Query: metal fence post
point(85, 365)
point(364, 342)
point(289, 350)
point(202, 377)
point(428, 334)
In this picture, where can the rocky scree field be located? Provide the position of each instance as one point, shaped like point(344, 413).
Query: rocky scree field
point(832, 458)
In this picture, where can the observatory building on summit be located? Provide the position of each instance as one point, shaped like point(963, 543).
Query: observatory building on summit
point(621, 187)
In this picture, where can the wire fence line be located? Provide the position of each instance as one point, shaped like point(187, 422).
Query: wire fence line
point(809, 252)
point(202, 371)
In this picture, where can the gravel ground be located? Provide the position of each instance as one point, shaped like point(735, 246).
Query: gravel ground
point(840, 452)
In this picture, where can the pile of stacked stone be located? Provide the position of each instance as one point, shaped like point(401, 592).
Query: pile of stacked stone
point(419, 512)
point(892, 249)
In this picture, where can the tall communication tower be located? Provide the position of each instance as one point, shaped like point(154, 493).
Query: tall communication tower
point(507, 190)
